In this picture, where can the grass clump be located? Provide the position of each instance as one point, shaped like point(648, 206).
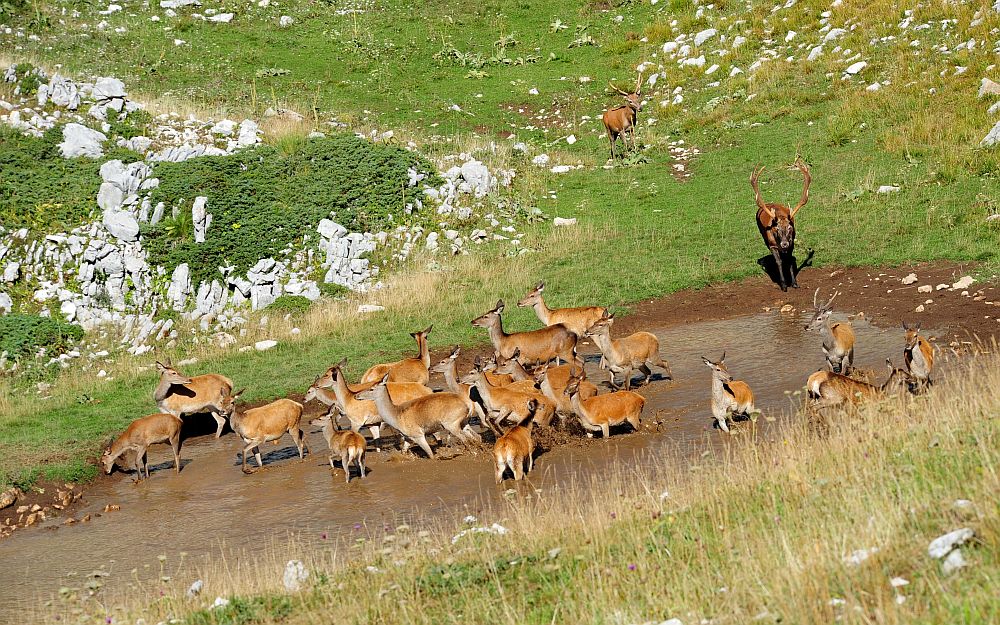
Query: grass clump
point(23, 335)
point(294, 304)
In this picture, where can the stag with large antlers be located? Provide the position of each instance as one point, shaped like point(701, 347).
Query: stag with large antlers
point(776, 223)
point(838, 337)
point(620, 120)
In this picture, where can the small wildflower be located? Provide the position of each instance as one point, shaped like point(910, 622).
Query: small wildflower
point(631, 567)
point(323, 535)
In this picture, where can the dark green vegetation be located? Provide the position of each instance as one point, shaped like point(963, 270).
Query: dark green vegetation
point(22, 335)
point(266, 199)
point(294, 304)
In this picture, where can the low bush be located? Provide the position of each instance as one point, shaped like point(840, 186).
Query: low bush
point(22, 335)
point(294, 304)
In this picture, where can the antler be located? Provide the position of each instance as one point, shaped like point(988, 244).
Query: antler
point(815, 298)
point(832, 297)
point(805, 186)
point(756, 191)
point(638, 84)
point(614, 88)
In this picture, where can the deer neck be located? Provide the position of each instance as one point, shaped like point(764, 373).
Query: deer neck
point(578, 407)
point(497, 335)
point(718, 390)
point(607, 346)
point(451, 379)
point(543, 311)
point(888, 385)
point(519, 372)
point(326, 396)
point(485, 388)
point(342, 393)
point(236, 422)
point(389, 411)
point(424, 353)
point(162, 389)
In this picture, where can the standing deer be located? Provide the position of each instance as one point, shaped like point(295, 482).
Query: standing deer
point(535, 346)
point(776, 223)
point(140, 434)
point(449, 368)
point(515, 447)
point(347, 445)
point(620, 120)
point(407, 370)
point(918, 355)
point(833, 389)
point(576, 320)
point(505, 401)
point(729, 396)
point(838, 338)
point(270, 422)
point(600, 412)
point(180, 395)
point(636, 351)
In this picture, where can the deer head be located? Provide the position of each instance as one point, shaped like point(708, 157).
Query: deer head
point(601, 325)
point(171, 375)
point(444, 364)
point(533, 297)
point(227, 402)
point(912, 334)
point(634, 99)
point(781, 219)
point(898, 378)
point(489, 317)
point(821, 312)
point(718, 368)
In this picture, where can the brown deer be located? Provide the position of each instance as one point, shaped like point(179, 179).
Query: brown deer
point(407, 370)
point(535, 346)
point(347, 445)
point(576, 320)
point(270, 422)
point(521, 380)
point(729, 396)
point(918, 355)
point(776, 223)
point(515, 447)
point(636, 351)
point(838, 338)
point(554, 382)
point(180, 395)
point(833, 389)
point(424, 415)
point(620, 120)
point(502, 401)
point(140, 434)
point(449, 368)
point(600, 412)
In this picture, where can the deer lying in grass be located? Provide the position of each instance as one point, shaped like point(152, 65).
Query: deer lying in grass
point(362, 413)
point(918, 356)
point(776, 223)
point(554, 382)
point(838, 338)
point(535, 347)
point(637, 351)
point(503, 401)
point(729, 397)
point(833, 389)
point(620, 120)
point(180, 395)
point(270, 422)
point(599, 413)
point(140, 434)
point(407, 370)
point(347, 445)
point(449, 368)
point(424, 415)
point(515, 447)
point(576, 320)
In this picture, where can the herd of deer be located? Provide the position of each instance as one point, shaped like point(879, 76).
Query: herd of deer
point(532, 378)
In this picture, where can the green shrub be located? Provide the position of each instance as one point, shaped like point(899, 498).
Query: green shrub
point(134, 125)
point(330, 289)
point(40, 189)
point(23, 335)
point(263, 199)
point(290, 304)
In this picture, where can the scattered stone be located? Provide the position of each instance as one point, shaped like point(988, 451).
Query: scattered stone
point(988, 87)
point(925, 288)
point(856, 68)
point(888, 188)
point(942, 287)
point(919, 308)
point(285, 21)
point(222, 18)
point(9, 497)
point(992, 138)
point(562, 221)
point(963, 283)
point(953, 562)
point(195, 589)
point(944, 544)
point(704, 36)
point(123, 225)
point(909, 279)
point(295, 575)
point(370, 308)
point(78, 140)
point(263, 346)
point(855, 558)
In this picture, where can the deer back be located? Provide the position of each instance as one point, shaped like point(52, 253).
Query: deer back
point(613, 408)
point(434, 409)
point(538, 346)
point(203, 392)
point(269, 420)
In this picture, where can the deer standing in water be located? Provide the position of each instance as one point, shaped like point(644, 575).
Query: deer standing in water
point(407, 370)
point(729, 396)
point(577, 320)
point(838, 338)
point(776, 223)
point(636, 351)
point(140, 434)
point(535, 346)
point(833, 389)
point(918, 356)
point(347, 445)
point(515, 447)
point(270, 422)
point(505, 401)
point(179, 395)
point(621, 120)
point(600, 412)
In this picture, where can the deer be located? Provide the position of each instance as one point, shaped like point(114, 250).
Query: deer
point(515, 447)
point(918, 355)
point(730, 397)
point(534, 346)
point(576, 320)
point(776, 223)
point(449, 368)
point(407, 370)
point(270, 422)
point(838, 338)
point(620, 120)
point(520, 380)
point(599, 413)
point(425, 415)
point(833, 389)
point(361, 412)
point(503, 401)
point(180, 395)
point(554, 382)
point(636, 351)
point(348, 445)
point(140, 434)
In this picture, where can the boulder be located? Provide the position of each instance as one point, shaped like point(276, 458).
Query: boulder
point(704, 36)
point(180, 286)
point(110, 197)
point(11, 272)
point(6, 303)
point(263, 346)
point(992, 138)
point(988, 87)
point(248, 133)
point(121, 224)
point(856, 68)
point(480, 179)
point(222, 18)
point(201, 218)
point(78, 140)
point(330, 229)
point(108, 88)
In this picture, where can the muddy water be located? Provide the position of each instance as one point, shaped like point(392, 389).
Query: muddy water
point(210, 504)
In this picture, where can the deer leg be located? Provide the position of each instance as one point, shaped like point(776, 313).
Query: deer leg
point(647, 372)
point(850, 362)
point(779, 262)
point(611, 141)
point(220, 423)
point(361, 463)
point(627, 382)
point(346, 463)
point(175, 445)
point(722, 420)
point(421, 440)
point(332, 467)
point(605, 431)
point(517, 466)
point(531, 461)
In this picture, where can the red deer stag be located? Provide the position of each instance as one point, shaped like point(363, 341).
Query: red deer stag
point(776, 223)
point(620, 120)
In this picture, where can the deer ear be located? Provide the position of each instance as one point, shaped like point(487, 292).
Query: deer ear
point(517, 352)
point(237, 394)
point(706, 361)
point(385, 378)
point(723, 359)
point(341, 364)
point(499, 306)
point(916, 326)
point(454, 352)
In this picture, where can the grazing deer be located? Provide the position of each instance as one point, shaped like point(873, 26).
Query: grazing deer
point(576, 320)
point(424, 415)
point(833, 389)
point(554, 382)
point(449, 368)
point(729, 397)
point(270, 422)
point(515, 447)
point(347, 445)
point(140, 434)
point(360, 412)
point(407, 370)
point(776, 223)
point(620, 120)
point(180, 395)
point(918, 355)
point(838, 338)
point(502, 401)
point(535, 346)
point(599, 413)
point(637, 351)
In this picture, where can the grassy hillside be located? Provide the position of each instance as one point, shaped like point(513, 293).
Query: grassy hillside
point(642, 230)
